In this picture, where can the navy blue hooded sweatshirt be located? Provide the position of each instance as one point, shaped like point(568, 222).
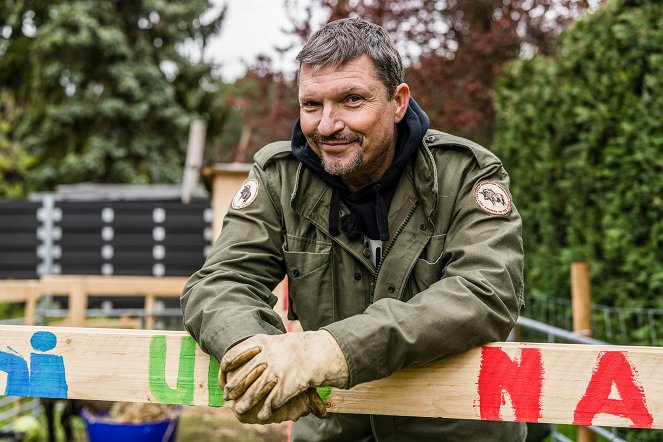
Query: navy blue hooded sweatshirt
point(369, 205)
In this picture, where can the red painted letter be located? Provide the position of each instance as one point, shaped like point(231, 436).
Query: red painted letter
point(500, 375)
point(613, 368)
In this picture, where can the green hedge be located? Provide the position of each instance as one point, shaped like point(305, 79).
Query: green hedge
point(581, 133)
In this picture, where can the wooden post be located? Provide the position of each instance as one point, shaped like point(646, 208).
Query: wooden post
point(31, 303)
point(77, 304)
point(150, 300)
point(581, 301)
point(517, 332)
point(226, 179)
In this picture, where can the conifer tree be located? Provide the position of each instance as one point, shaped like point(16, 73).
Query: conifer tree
point(105, 89)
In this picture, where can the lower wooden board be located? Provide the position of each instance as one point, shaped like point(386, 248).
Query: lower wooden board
point(554, 383)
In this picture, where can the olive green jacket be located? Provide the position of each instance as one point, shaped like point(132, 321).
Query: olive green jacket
point(450, 278)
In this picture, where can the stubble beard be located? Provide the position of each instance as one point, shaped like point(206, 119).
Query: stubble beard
point(342, 166)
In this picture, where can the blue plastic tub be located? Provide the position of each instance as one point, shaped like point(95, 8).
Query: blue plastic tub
point(101, 430)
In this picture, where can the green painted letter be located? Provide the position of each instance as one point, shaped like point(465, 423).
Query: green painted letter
point(183, 394)
point(323, 392)
point(215, 392)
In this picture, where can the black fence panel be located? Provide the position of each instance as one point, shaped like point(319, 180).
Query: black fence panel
point(143, 237)
point(19, 241)
point(133, 237)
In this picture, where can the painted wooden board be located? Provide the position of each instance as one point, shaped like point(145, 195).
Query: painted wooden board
point(555, 383)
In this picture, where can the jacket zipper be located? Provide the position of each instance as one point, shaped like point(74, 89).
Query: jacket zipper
point(386, 251)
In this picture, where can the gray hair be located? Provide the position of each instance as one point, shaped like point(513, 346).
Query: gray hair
point(341, 41)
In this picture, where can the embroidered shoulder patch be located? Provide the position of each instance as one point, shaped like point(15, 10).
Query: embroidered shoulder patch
point(492, 197)
point(246, 194)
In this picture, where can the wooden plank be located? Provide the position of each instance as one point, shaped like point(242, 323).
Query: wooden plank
point(17, 291)
point(555, 383)
point(164, 286)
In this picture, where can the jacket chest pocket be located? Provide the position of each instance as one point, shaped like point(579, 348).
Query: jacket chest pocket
point(310, 297)
point(429, 267)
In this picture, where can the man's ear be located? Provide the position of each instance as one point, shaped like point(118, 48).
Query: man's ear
point(401, 99)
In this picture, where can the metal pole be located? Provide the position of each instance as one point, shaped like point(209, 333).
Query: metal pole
point(194, 158)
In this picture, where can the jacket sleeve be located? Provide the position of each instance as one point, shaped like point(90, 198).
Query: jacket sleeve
point(477, 299)
point(230, 298)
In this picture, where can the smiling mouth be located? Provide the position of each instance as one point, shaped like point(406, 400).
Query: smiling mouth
point(337, 139)
point(335, 143)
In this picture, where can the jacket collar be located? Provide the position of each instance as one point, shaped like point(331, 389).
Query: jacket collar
point(311, 196)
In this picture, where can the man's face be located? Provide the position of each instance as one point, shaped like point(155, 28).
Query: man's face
point(349, 120)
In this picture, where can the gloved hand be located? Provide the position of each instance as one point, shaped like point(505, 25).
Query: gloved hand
point(273, 369)
point(301, 405)
point(307, 402)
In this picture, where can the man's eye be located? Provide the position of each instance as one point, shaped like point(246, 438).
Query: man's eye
point(354, 99)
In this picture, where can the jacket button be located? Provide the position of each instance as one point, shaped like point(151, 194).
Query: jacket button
point(357, 276)
point(295, 273)
point(430, 138)
point(422, 226)
point(391, 289)
point(366, 252)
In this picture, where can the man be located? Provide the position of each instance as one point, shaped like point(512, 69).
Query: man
point(401, 246)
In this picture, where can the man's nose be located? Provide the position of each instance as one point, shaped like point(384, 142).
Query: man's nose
point(330, 123)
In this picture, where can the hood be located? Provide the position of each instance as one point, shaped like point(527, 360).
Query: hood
point(369, 204)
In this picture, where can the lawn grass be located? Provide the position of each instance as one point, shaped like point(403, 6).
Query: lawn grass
point(218, 424)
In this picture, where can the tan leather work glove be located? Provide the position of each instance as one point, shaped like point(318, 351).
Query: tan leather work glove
point(307, 402)
point(273, 369)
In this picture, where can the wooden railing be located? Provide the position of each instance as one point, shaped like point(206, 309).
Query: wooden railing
point(548, 383)
point(22, 291)
point(79, 288)
point(554, 383)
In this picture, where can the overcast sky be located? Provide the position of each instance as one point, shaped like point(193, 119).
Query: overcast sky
point(251, 27)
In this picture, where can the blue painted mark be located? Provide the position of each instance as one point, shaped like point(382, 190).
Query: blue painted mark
point(43, 341)
point(17, 374)
point(46, 376)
